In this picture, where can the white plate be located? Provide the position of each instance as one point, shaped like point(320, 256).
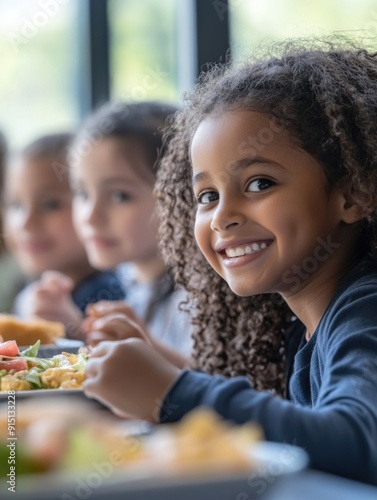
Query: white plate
point(276, 458)
point(68, 343)
point(41, 392)
point(50, 350)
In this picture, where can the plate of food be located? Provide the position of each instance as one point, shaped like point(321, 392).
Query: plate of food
point(25, 372)
point(51, 335)
point(64, 448)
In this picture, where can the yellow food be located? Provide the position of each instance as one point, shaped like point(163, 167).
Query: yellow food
point(28, 332)
point(64, 375)
point(203, 442)
point(72, 436)
point(14, 382)
point(56, 378)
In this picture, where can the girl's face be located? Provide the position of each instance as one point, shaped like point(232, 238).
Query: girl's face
point(38, 226)
point(114, 204)
point(265, 220)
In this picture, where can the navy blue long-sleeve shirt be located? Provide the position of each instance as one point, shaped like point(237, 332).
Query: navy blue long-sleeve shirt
point(332, 413)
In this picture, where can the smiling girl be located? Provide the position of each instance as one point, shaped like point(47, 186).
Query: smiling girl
point(272, 173)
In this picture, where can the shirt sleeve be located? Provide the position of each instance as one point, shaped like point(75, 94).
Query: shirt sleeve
point(339, 431)
point(21, 304)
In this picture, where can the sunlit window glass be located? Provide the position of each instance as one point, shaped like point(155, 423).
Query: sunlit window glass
point(255, 21)
point(37, 86)
point(143, 49)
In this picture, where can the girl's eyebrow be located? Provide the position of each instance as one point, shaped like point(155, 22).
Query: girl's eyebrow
point(237, 166)
point(119, 180)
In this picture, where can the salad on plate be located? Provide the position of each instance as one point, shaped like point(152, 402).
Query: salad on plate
point(24, 371)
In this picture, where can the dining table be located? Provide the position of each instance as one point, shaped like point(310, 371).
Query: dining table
point(306, 485)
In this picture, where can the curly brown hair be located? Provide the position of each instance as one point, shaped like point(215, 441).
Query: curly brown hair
point(324, 93)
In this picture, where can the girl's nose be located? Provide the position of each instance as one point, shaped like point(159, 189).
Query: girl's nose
point(29, 219)
point(227, 216)
point(94, 214)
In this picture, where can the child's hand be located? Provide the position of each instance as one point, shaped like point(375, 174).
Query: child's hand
point(51, 300)
point(106, 307)
point(116, 326)
point(113, 320)
point(129, 377)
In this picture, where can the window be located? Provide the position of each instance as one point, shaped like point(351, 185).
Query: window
point(143, 49)
point(253, 21)
point(37, 86)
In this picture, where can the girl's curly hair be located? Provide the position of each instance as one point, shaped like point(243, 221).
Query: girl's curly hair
point(325, 96)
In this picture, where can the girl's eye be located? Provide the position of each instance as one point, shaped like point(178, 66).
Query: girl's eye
point(80, 194)
point(207, 197)
point(13, 205)
point(260, 185)
point(120, 196)
point(52, 204)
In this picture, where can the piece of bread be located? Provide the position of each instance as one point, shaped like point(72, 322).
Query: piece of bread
point(27, 333)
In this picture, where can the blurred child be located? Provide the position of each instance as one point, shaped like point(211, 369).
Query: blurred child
point(39, 233)
point(113, 167)
point(272, 171)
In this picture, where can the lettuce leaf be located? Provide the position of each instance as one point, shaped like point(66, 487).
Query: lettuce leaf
point(32, 376)
point(32, 351)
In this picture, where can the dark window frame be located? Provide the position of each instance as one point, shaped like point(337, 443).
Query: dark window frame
point(209, 42)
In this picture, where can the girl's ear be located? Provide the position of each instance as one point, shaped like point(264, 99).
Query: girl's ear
point(352, 210)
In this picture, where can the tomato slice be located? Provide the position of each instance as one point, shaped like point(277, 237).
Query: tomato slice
point(9, 348)
point(13, 364)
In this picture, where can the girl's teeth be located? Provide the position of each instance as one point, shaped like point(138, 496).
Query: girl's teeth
point(239, 251)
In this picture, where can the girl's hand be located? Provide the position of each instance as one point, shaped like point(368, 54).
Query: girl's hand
point(113, 321)
point(106, 307)
point(50, 299)
point(129, 377)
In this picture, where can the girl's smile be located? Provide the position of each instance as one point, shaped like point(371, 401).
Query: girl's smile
point(261, 211)
point(240, 253)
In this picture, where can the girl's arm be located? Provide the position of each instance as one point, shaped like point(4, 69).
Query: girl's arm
point(334, 413)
